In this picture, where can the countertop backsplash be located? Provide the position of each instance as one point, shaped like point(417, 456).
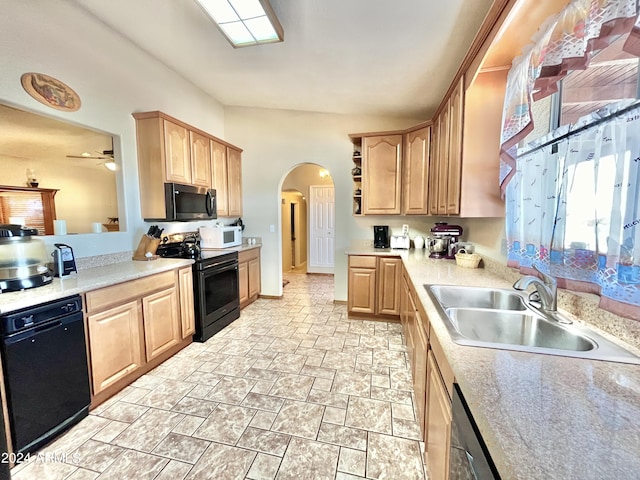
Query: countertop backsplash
point(102, 260)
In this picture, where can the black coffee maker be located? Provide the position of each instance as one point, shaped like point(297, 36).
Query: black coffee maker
point(381, 236)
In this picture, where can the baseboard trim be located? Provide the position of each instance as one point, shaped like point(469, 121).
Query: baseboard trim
point(340, 302)
point(271, 297)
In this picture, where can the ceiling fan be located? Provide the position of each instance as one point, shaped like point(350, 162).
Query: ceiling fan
point(104, 155)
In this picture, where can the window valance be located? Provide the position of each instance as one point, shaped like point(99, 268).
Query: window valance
point(565, 42)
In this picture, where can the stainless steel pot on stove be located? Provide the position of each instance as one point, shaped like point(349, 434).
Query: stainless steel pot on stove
point(23, 259)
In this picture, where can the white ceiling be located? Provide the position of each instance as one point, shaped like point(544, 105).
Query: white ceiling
point(377, 57)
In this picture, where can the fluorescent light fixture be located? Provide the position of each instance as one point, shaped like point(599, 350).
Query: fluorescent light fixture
point(244, 22)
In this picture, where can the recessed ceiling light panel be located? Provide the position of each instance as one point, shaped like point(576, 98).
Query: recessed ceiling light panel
point(244, 22)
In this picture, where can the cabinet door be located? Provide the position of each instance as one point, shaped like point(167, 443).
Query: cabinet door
point(243, 279)
point(254, 277)
point(434, 166)
point(162, 327)
point(200, 160)
point(438, 424)
point(416, 172)
point(443, 162)
point(219, 177)
point(456, 109)
point(234, 182)
point(187, 308)
point(115, 344)
point(362, 290)
point(177, 153)
point(381, 178)
point(389, 283)
point(420, 371)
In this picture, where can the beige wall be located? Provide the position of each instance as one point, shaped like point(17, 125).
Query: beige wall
point(275, 142)
point(113, 79)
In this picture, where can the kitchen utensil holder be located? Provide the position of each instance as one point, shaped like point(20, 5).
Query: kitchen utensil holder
point(467, 260)
point(147, 245)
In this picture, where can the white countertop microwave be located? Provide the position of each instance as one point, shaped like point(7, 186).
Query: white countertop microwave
point(220, 237)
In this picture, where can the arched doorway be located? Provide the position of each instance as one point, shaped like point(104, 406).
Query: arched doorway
point(307, 221)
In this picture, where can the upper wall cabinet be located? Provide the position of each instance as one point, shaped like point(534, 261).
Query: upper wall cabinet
point(444, 176)
point(381, 174)
point(200, 160)
point(390, 172)
point(417, 147)
point(227, 179)
point(171, 151)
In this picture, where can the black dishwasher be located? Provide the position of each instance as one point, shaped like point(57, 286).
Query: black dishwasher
point(44, 359)
point(469, 458)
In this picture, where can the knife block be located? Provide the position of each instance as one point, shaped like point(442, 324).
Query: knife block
point(147, 244)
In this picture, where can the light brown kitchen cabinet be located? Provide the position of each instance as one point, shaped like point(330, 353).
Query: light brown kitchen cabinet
point(227, 179)
point(200, 160)
point(454, 168)
point(438, 424)
point(389, 284)
point(374, 285)
point(243, 279)
point(381, 174)
point(116, 344)
point(440, 164)
point(162, 325)
point(172, 151)
point(361, 296)
point(249, 276)
point(415, 166)
point(420, 352)
point(220, 177)
point(234, 182)
point(177, 159)
point(132, 327)
point(446, 156)
point(187, 307)
point(417, 339)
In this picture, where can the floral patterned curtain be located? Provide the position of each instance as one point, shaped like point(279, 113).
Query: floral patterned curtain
point(573, 208)
point(565, 42)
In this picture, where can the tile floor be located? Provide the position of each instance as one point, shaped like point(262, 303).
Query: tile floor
point(292, 390)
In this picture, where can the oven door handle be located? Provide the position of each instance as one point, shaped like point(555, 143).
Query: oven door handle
point(221, 267)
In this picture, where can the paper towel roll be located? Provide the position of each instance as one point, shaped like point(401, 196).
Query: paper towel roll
point(59, 227)
point(97, 227)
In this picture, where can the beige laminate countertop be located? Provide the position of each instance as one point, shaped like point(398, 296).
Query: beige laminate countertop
point(541, 416)
point(86, 280)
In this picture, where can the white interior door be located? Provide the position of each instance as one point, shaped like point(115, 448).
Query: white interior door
point(321, 228)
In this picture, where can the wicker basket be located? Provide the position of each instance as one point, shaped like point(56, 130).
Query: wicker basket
point(467, 260)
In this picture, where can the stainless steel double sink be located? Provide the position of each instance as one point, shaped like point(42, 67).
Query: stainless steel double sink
point(504, 319)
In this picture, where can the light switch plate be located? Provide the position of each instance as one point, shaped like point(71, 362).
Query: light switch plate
point(405, 230)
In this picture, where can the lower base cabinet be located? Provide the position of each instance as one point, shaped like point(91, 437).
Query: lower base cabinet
point(162, 326)
point(116, 344)
point(133, 327)
point(374, 285)
point(438, 424)
point(432, 380)
point(249, 276)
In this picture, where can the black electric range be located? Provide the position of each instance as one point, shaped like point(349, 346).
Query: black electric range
point(215, 282)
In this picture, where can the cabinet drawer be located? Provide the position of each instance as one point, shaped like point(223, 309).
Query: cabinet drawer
point(121, 292)
point(361, 261)
point(443, 366)
point(246, 255)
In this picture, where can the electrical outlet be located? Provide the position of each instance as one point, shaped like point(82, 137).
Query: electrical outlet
point(405, 230)
point(272, 228)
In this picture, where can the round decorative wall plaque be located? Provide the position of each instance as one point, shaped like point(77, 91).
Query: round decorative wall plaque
point(50, 91)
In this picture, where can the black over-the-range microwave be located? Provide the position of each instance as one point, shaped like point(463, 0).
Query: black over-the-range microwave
point(188, 202)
